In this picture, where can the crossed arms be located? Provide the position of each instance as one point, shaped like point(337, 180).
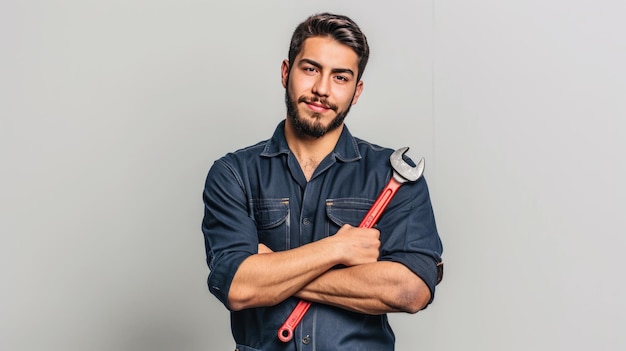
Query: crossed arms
point(366, 285)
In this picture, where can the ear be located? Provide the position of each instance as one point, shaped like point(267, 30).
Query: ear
point(357, 92)
point(284, 72)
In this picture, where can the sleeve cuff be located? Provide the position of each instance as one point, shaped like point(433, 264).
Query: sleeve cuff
point(423, 266)
point(221, 276)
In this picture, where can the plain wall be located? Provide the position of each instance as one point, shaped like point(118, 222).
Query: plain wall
point(112, 112)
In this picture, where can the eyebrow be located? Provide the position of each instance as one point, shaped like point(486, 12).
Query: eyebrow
point(319, 66)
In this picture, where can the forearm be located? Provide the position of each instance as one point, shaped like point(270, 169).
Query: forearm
point(374, 288)
point(266, 279)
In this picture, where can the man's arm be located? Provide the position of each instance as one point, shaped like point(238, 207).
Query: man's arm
point(266, 279)
point(373, 288)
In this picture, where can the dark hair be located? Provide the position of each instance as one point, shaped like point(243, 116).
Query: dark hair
point(338, 27)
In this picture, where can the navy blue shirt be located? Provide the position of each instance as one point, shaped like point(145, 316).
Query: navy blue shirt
point(260, 195)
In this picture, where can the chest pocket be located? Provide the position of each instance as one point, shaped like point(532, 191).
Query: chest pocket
point(272, 222)
point(346, 211)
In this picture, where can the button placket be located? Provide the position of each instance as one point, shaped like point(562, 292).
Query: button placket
point(307, 330)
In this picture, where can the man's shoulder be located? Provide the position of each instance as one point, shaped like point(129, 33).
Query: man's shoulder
point(273, 146)
point(244, 154)
point(370, 151)
point(367, 148)
point(253, 149)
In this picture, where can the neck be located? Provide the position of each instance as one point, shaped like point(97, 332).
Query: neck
point(310, 151)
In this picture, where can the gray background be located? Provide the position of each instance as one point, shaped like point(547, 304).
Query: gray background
point(111, 113)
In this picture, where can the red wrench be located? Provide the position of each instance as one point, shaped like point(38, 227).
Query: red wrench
point(402, 173)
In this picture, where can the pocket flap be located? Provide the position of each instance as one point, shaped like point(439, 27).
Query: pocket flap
point(270, 213)
point(347, 210)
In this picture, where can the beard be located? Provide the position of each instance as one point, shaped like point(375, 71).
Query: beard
point(313, 128)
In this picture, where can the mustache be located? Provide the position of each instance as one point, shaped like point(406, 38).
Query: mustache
point(322, 101)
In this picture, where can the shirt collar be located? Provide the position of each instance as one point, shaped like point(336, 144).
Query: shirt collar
point(346, 149)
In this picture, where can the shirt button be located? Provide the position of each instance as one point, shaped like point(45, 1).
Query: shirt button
point(306, 340)
point(306, 221)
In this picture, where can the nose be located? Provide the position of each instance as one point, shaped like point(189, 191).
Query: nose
point(322, 86)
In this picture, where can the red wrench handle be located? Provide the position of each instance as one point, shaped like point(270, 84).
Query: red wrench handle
point(285, 333)
point(381, 203)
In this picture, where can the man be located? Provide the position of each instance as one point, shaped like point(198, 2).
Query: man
point(281, 216)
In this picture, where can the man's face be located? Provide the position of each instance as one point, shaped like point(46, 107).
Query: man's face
point(321, 86)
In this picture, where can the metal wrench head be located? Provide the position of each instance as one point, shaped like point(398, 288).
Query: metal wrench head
point(402, 171)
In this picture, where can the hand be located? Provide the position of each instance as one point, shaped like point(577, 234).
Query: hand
point(357, 245)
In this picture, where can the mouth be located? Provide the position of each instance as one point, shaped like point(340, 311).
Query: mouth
point(317, 105)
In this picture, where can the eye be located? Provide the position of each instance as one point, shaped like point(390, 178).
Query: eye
point(342, 78)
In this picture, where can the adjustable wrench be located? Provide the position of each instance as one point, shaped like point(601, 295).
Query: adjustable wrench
point(402, 173)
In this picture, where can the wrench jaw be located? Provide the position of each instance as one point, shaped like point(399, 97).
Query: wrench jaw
point(402, 171)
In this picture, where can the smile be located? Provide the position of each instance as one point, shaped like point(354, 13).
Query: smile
point(317, 107)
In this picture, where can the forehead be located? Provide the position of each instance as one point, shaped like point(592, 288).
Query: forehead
point(329, 53)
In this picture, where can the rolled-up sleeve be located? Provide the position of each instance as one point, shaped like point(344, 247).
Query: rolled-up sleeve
point(229, 232)
point(409, 233)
